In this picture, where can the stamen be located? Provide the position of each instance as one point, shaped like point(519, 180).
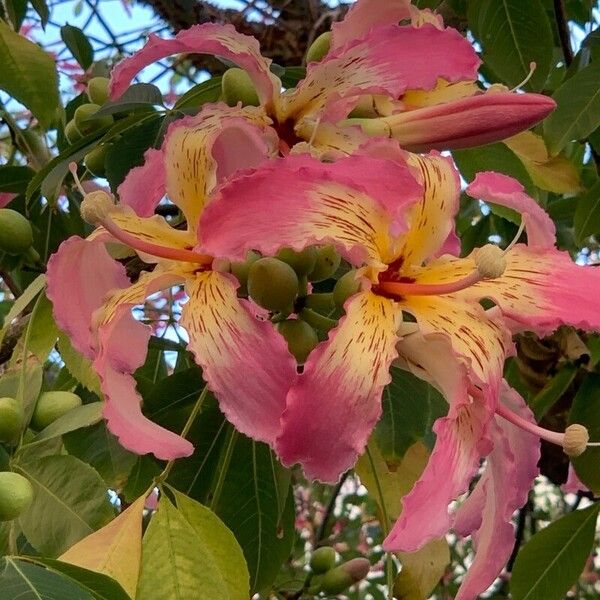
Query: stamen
point(429, 289)
point(532, 68)
point(313, 135)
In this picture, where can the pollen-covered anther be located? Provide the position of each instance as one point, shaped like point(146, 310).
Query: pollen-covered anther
point(490, 261)
point(96, 206)
point(575, 440)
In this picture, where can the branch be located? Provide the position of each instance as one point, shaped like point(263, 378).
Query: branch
point(563, 31)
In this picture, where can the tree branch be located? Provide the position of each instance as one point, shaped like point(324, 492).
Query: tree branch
point(563, 31)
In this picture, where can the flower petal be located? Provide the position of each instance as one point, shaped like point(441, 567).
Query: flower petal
point(203, 150)
point(356, 203)
point(336, 402)
point(79, 275)
point(462, 123)
point(244, 360)
point(122, 348)
point(389, 60)
point(209, 38)
point(509, 475)
point(506, 191)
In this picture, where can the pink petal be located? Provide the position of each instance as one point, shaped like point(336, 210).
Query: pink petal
point(79, 276)
point(573, 483)
point(337, 400)
point(122, 348)
point(5, 198)
point(506, 191)
point(244, 360)
point(209, 38)
point(463, 123)
point(355, 203)
point(487, 514)
point(365, 15)
point(144, 186)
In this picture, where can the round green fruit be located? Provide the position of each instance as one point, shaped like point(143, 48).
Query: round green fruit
point(302, 262)
point(94, 160)
point(272, 284)
point(11, 420)
point(16, 494)
point(319, 48)
point(84, 121)
point(301, 338)
point(322, 559)
point(72, 133)
point(236, 86)
point(341, 578)
point(98, 90)
point(326, 264)
point(240, 270)
point(52, 405)
point(345, 287)
point(16, 235)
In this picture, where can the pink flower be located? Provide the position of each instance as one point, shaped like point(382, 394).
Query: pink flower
point(93, 298)
point(417, 82)
point(5, 198)
point(391, 213)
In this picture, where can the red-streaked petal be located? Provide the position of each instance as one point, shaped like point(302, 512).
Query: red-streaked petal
point(337, 400)
point(358, 203)
point(365, 15)
point(463, 123)
point(144, 186)
point(79, 276)
point(122, 347)
point(389, 60)
point(209, 38)
point(506, 191)
point(487, 514)
point(244, 360)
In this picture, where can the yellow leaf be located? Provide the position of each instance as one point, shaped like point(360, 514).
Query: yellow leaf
point(421, 570)
point(554, 174)
point(115, 550)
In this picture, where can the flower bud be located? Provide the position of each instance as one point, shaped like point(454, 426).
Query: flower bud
point(237, 86)
point(98, 90)
point(326, 264)
point(84, 120)
point(341, 578)
point(302, 262)
point(272, 284)
point(301, 338)
point(319, 48)
point(490, 261)
point(52, 405)
point(16, 494)
point(575, 440)
point(11, 420)
point(322, 559)
point(346, 286)
point(96, 206)
point(16, 235)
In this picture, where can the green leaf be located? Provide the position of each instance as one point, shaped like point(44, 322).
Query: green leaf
point(577, 113)
point(44, 331)
point(220, 543)
point(20, 580)
point(207, 91)
point(15, 179)
point(586, 411)
point(22, 302)
point(176, 562)
point(139, 95)
point(41, 8)
point(28, 74)
point(99, 586)
point(406, 404)
point(551, 393)
point(587, 215)
point(550, 563)
point(70, 501)
point(513, 34)
point(15, 11)
point(78, 365)
point(77, 42)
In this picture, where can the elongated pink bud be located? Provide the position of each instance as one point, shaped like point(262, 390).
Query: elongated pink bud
point(472, 121)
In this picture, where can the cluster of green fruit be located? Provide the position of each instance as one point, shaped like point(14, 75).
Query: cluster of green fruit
point(16, 493)
point(16, 235)
point(84, 122)
point(330, 579)
point(279, 284)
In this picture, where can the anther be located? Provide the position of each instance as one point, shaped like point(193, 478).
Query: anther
point(575, 440)
point(490, 261)
point(96, 206)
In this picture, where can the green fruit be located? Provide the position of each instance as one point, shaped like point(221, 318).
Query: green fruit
point(322, 559)
point(301, 338)
point(345, 287)
point(240, 271)
point(72, 133)
point(16, 495)
point(84, 121)
point(327, 263)
point(341, 578)
point(319, 48)
point(97, 90)
point(16, 235)
point(302, 262)
point(94, 160)
point(272, 284)
point(52, 405)
point(237, 86)
point(11, 420)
